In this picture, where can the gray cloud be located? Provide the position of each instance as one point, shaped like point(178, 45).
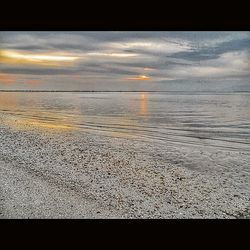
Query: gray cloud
point(162, 56)
point(213, 52)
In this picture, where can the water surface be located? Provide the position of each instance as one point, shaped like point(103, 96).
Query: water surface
point(218, 120)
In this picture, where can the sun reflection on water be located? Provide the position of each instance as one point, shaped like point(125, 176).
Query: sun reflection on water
point(33, 112)
point(7, 101)
point(143, 103)
point(29, 124)
point(13, 116)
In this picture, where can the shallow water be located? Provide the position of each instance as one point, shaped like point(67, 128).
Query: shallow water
point(217, 120)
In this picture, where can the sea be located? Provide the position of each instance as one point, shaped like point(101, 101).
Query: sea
point(219, 120)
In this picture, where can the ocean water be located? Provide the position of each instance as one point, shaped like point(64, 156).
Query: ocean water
point(199, 119)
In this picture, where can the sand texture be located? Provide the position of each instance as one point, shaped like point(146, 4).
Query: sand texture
point(45, 174)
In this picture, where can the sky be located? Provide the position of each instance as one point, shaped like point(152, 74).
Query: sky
point(169, 61)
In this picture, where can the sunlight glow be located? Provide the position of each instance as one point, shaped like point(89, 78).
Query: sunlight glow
point(141, 78)
point(143, 104)
point(7, 78)
point(25, 57)
point(112, 54)
point(26, 124)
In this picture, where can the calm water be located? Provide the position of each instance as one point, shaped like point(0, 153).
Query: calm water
point(201, 119)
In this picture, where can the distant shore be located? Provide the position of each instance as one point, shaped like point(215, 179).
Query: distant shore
point(125, 91)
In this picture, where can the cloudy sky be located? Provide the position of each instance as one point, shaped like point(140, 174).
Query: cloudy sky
point(125, 60)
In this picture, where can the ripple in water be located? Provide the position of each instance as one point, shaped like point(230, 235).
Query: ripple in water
point(202, 120)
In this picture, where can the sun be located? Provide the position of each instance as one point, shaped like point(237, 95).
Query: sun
point(140, 78)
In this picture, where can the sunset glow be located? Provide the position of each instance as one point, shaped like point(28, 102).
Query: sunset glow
point(7, 79)
point(9, 56)
point(140, 78)
point(123, 60)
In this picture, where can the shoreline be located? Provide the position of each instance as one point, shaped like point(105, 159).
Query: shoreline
point(45, 174)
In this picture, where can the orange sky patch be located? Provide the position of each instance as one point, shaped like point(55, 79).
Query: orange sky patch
point(32, 82)
point(51, 59)
point(140, 78)
point(7, 79)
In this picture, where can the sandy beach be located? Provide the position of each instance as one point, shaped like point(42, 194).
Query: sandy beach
point(47, 174)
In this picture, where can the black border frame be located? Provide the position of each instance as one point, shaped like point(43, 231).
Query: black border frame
point(127, 234)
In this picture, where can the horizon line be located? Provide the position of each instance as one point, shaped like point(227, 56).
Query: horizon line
point(3, 90)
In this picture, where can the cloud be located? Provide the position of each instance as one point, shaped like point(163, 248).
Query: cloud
point(214, 49)
point(7, 79)
point(10, 79)
point(152, 46)
point(140, 78)
point(32, 82)
point(114, 58)
point(52, 59)
point(226, 65)
point(38, 71)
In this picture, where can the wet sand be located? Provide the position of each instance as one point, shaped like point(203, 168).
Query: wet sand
point(46, 174)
